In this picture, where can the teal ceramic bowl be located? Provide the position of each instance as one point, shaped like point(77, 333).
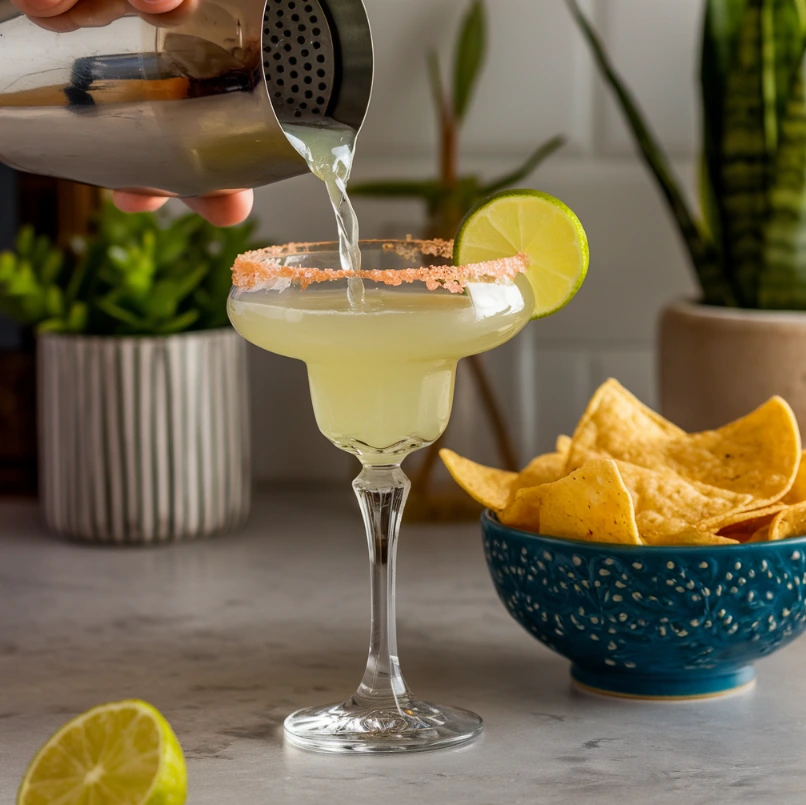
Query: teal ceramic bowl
point(652, 622)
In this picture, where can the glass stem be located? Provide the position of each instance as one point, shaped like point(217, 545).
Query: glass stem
point(382, 493)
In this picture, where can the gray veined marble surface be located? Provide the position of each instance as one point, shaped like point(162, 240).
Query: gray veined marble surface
point(227, 636)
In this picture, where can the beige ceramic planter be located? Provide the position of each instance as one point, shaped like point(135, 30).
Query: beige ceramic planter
point(717, 364)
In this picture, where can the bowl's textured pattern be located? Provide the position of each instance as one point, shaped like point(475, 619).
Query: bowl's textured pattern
point(637, 612)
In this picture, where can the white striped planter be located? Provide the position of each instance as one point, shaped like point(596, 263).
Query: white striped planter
point(143, 440)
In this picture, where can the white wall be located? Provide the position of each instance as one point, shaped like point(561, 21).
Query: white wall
point(539, 82)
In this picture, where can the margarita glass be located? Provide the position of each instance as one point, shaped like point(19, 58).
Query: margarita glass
point(381, 375)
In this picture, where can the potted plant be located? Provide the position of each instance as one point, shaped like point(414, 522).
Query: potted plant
point(142, 390)
point(744, 339)
point(448, 197)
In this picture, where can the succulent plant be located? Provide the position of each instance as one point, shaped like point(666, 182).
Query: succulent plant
point(139, 275)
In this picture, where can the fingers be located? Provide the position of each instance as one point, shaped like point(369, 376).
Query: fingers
point(154, 6)
point(223, 210)
point(43, 8)
point(134, 202)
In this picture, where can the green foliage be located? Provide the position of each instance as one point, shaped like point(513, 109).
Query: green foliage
point(449, 197)
point(138, 275)
point(749, 250)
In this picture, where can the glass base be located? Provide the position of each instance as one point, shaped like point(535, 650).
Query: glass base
point(413, 726)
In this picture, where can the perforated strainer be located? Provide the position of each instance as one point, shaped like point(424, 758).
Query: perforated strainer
point(299, 59)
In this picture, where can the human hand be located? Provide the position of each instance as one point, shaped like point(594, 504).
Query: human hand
point(221, 209)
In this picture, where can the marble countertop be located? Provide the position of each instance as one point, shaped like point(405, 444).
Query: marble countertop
point(228, 636)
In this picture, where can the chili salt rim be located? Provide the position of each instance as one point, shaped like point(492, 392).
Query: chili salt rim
point(256, 268)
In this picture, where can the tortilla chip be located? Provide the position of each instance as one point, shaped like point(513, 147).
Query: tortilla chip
point(761, 535)
point(563, 444)
point(790, 522)
point(690, 536)
point(617, 424)
point(486, 485)
point(542, 470)
point(797, 492)
point(757, 456)
point(743, 525)
point(665, 503)
point(591, 504)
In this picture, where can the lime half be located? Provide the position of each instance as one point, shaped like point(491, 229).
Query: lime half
point(124, 753)
point(535, 224)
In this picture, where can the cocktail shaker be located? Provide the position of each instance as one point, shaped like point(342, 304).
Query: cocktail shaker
point(187, 103)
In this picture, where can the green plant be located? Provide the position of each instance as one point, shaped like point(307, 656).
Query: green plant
point(450, 196)
point(139, 275)
point(749, 248)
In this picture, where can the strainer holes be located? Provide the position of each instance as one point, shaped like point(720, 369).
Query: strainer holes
point(279, 25)
point(280, 83)
point(280, 12)
point(286, 33)
point(307, 67)
point(308, 94)
point(290, 101)
point(280, 68)
point(317, 45)
point(320, 101)
point(321, 73)
point(295, 17)
point(302, 28)
point(287, 48)
point(303, 105)
point(308, 9)
point(292, 60)
point(295, 88)
point(275, 39)
point(304, 53)
point(317, 31)
point(278, 95)
point(314, 19)
point(316, 111)
point(294, 74)
point(277, 56)
point(297, 113)
point(322, 87)
point(321, 58)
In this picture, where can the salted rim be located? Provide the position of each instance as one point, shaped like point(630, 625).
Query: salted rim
point(259, 268)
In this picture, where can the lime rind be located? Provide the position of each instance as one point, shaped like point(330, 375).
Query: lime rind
point(167, 780)
point(490, 242)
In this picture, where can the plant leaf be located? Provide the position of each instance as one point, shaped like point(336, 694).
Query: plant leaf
point(115, 311)
point(179, 324)
point(528, 167)
point(704, 256)
point(782, 272)
point(425, 189)
point(435, 80)
point(470, 53)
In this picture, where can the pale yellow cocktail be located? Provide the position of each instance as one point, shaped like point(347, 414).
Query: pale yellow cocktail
point(382, 375)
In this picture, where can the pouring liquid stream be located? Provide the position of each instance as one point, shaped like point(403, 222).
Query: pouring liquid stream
point(329, 149)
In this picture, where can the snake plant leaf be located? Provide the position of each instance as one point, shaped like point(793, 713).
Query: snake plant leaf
point(8, 263)
point(704, 256)
point(51, 266)
point(524, 171)
point(721, 26)
point(470, 53)
point(742, 162)
point(782, 272)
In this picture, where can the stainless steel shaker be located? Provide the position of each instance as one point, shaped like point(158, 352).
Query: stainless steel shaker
point(185, 103)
